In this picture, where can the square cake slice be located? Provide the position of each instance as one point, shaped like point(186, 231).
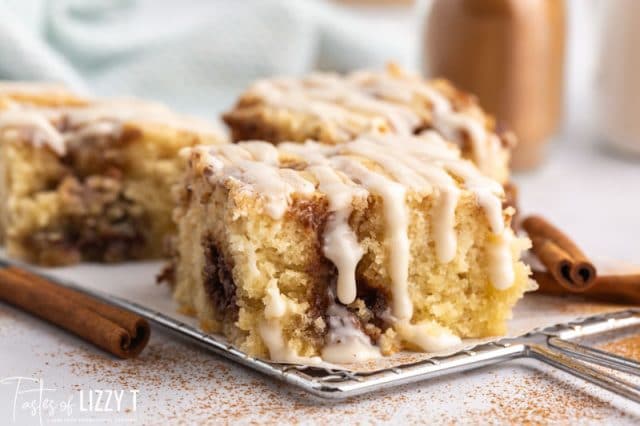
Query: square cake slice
point(334, 109)
point(303, 252)
point(89, 180)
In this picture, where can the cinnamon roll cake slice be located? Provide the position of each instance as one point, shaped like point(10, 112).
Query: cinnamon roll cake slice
point(305, 252)
point(333, 109)
point(88, 179)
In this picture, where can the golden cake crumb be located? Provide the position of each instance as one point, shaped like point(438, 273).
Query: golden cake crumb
point(89, 180)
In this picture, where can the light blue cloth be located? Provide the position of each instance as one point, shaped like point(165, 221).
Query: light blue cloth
point(195, 55)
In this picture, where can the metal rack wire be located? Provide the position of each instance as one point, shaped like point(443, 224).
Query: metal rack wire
point(551, 345)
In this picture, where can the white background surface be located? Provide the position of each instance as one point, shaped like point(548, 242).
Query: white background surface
point(590, 192)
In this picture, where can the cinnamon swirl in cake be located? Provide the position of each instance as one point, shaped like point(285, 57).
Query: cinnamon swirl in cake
point(335, 109)
point(304, 252)
point(88, 180)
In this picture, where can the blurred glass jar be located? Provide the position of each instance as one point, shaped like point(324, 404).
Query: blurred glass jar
point(617, 95)
point(509, 53)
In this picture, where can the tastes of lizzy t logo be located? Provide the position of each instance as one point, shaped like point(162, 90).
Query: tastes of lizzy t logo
point(29, 399)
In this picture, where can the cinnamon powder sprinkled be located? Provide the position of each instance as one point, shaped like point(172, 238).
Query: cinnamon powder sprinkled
point(582, 307)
point(628, 347)
point(540, 399)
point(181, 383)
point(204, 388)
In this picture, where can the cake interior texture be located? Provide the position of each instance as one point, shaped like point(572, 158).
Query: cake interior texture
point(90, 181)
point(333, 109)
point(310, 252)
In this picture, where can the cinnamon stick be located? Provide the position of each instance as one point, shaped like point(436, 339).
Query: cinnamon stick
point(560, 255)
point(624, 289)
point(117, 331)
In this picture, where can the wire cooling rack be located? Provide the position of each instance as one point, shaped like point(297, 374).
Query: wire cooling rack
point(554, 346)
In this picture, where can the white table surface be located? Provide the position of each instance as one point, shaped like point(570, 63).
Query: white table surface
point(591, 193)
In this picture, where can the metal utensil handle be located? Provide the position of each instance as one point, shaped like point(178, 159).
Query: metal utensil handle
point(582, 370)
point(596, 356)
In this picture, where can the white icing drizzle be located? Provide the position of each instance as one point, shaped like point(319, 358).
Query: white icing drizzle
point(340, 241)
point(419, 176)
point(390, 167)
point(274, 302)
point(501, 271)
point(276, 307)
point(443, 224)
point(45, 133)
point(450, 123)
point(99, 117)
point(351, 102)
point(487, 191)
point(402, 119)
point(427, 335)
point(271, 334)
point(276, 185)
point(396, 222)
point(345, 341)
